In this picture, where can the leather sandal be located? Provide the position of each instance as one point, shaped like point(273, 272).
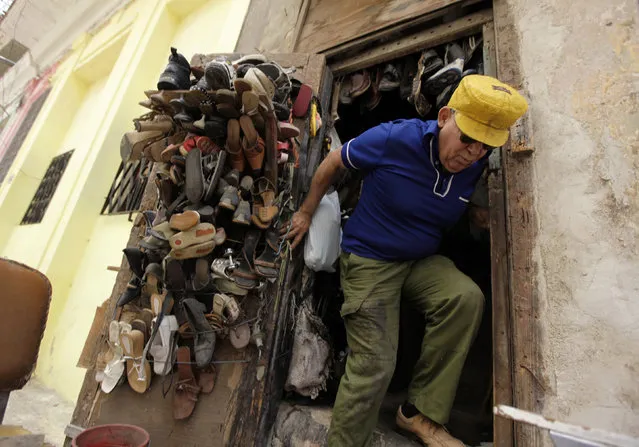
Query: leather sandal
point(186, 389)
point(264, 208)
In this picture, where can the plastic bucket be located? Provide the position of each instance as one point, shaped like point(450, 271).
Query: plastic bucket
point(113, 435)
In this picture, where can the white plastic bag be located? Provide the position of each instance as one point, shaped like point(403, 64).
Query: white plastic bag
point(322, 246)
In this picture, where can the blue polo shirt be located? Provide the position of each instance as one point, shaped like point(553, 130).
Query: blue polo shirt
point(407, 198)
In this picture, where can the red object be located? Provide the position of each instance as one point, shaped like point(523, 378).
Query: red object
point(112, 435)
point(303, 100)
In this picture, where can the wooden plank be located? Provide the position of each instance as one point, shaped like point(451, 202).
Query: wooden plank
point(331, 22)
point(413, 43)
point(88, 352)
point(397, 30)
point(529, 380)
point(502, 361)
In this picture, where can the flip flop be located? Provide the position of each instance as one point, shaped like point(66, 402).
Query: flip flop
point(186, 390)
point(194, 176)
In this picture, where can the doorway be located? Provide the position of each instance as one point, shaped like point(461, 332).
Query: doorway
point(468, 245)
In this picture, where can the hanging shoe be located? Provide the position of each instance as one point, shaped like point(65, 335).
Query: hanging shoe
point(225, 306)
point(184, 221)
point(244, 274)
point(269, 261)
point(230, 199)
point(234, 145)
point(133, 143)
point(206, 379)
point(176, 75)
point(183, 112)
point(240, 336)
point(390, 79)
point(252, 145)
point(217, 75)
point(242, 214)
point(199, 234)
point(194, 176)
point(137, 367)
point(164, 345)
point(449, 74)
point(204, 338)
point(186, 390)
point(194, 251)
point(214, 169)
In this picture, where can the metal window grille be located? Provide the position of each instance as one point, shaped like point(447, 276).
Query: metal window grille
point(127, 188)
point(48, 185)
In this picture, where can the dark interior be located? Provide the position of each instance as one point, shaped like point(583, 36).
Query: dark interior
point(467, 245)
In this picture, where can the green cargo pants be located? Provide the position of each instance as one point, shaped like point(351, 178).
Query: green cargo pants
point(452, 305)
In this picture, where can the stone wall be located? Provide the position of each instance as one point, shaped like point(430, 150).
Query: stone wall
point(580, 66)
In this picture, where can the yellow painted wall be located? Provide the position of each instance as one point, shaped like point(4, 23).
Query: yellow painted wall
point(91, 287)
point(93, 101)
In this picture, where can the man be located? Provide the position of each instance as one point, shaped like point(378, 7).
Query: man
point(418, 178)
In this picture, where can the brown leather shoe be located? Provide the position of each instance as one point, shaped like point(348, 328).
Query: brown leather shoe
point(429, 432)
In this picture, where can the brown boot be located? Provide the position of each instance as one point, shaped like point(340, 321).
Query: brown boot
point(430, 433)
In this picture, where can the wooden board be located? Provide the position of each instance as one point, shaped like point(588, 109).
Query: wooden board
point(414, 42)
point(529, 381)
point(332, 22)
point(502, 361)
point(243, 405)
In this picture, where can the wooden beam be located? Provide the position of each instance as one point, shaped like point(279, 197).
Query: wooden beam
point(502, 360)
point(529, 380)
point(397, 29)
point(414, 42)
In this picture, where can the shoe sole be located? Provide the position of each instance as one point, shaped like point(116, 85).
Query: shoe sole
point(199, 234)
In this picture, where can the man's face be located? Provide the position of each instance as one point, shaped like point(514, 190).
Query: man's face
point(454, 154)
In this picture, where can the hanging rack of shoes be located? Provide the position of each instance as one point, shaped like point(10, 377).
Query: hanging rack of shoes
point(223, 138)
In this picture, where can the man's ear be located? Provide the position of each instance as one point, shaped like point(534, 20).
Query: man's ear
point(445, 113)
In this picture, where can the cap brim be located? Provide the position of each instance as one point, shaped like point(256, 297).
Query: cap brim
point(481, 132)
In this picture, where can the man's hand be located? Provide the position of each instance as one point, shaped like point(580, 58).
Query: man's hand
point(300, 224)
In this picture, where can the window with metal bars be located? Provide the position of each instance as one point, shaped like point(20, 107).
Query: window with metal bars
point(44, 193)
point(127, 188)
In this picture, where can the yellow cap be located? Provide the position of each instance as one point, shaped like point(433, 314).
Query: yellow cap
point(486, 108)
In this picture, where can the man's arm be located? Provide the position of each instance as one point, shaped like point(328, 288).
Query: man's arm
point(324, 177)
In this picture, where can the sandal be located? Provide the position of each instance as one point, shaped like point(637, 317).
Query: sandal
point(186, 389)
point(244, 274)
point(138, 370)
point(264, 208)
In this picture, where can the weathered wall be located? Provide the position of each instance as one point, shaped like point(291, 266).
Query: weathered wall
point(580, 65)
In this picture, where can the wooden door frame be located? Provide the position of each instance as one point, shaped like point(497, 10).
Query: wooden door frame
point(516, 331)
